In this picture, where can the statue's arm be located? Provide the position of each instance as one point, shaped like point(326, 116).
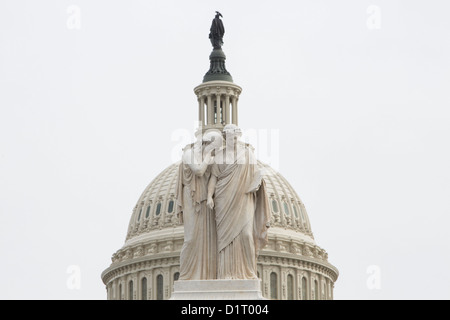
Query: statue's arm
point(211, 188)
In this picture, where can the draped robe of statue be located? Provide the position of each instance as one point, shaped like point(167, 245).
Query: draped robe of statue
point(199, 251)
point(242, 214)
point(217, 31)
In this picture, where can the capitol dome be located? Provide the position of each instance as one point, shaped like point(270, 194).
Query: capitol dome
point(291, 266)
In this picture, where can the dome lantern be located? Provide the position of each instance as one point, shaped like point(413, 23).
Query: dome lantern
point(217, 96)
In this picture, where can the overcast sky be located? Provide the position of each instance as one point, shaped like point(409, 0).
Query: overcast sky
point(352, 95)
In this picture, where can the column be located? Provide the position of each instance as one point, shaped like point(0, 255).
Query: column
point(210, 111)
point(226, 110)
point(201, 110)
point(218, 113)
point(234, 113)
point(332, 291)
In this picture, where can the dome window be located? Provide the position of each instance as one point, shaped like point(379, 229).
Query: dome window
point(290, 287)
point(170, 209)
point(158, 209)
point(304, 288)
point(130, 290)
point(286, 208)
point(148, 212)
point(316, 290)
point(274, 206)
point(159, 287)
point(295, 211)
point(273, 286)
point(139, 216)
point(144, 288)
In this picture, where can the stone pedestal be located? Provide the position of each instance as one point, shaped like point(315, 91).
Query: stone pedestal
point(217, 290)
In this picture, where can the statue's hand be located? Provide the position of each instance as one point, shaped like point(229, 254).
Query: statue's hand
point(210, 203)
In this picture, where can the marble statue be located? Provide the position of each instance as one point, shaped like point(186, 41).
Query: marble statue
point(199, 250)
point(237, 193)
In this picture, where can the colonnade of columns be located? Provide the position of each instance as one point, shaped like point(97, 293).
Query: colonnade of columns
point(217, 104)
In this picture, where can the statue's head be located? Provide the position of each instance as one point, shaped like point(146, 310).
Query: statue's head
point(218, 14)
point(232, 131)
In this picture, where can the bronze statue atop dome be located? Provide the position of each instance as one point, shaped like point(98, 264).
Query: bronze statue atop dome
point(217, 31)
point(217, 70)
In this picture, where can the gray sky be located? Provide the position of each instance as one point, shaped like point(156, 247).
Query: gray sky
point(94, 95)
